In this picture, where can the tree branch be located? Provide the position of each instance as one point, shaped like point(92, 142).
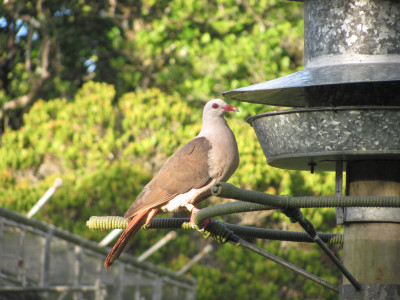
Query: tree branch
point(18, 102)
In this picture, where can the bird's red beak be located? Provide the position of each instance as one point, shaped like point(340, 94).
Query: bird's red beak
point(230, 108)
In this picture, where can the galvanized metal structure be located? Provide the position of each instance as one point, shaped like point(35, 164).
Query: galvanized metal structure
point(41, 261)
point(321, 136)
point(349, 119)
point(351, 57)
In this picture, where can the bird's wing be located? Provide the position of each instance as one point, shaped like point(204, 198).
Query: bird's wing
point(187, 169)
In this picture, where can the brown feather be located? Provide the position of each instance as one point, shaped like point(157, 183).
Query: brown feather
point(133, 227)
point(186, 169)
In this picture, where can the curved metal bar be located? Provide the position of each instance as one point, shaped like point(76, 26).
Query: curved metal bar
point(286, 264)
point(227, 190)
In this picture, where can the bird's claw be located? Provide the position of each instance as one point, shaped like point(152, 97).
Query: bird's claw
point(194, 211)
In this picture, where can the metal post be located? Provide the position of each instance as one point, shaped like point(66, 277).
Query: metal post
point(170, 236)
point(44, 273)
point(110, 237)
point(157, 289)
point(21, 259)
point(195, 259)
point(372, 235)
point(338, 190)
point(77, 271)
point(42, 201)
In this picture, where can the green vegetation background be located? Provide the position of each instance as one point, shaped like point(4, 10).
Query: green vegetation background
point(100, 93)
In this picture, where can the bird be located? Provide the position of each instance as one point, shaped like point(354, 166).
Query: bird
point(187, 176)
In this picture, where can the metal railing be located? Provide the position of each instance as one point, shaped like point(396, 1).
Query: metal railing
point(40, 259)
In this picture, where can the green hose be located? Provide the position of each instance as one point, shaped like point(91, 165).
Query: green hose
point(283, 235)
point(227, 190)
point(226, 209)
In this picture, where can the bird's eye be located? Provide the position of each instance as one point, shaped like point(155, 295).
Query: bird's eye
point(215, 106)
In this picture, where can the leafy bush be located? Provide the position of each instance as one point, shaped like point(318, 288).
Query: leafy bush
point(107, 149)
point(106, 140)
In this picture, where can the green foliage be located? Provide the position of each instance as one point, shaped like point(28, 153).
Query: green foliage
point(105, 154)
point(195, 49)
point(155, 60)
point(145, 116)
point(65, 130)
point(221, 50)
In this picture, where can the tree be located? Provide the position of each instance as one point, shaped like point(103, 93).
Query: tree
point(199, 49)
point(45, 51)
point(106, 153)
point(155, 61)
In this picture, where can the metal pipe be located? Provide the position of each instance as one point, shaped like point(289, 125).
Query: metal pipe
point(286, 264)
point(110, 237)
point(42, 201)
point(339, 191)
point(309, 228)
point(170, 236)
point(207, 249)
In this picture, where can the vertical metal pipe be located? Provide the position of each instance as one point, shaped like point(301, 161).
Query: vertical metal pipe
point(44, 273)
point(77, 267)
point(339, 190)
point(340, 32)
point(350, 31)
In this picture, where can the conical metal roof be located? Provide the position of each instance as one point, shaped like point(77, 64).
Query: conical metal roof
point(291, 90)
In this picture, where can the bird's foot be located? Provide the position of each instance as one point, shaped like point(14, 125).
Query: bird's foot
point(193, 210)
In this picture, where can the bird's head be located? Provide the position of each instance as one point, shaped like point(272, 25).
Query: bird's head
point(217, 108)
point(213, 116)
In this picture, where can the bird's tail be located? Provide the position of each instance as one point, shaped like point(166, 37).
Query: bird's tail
point(133, 227)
